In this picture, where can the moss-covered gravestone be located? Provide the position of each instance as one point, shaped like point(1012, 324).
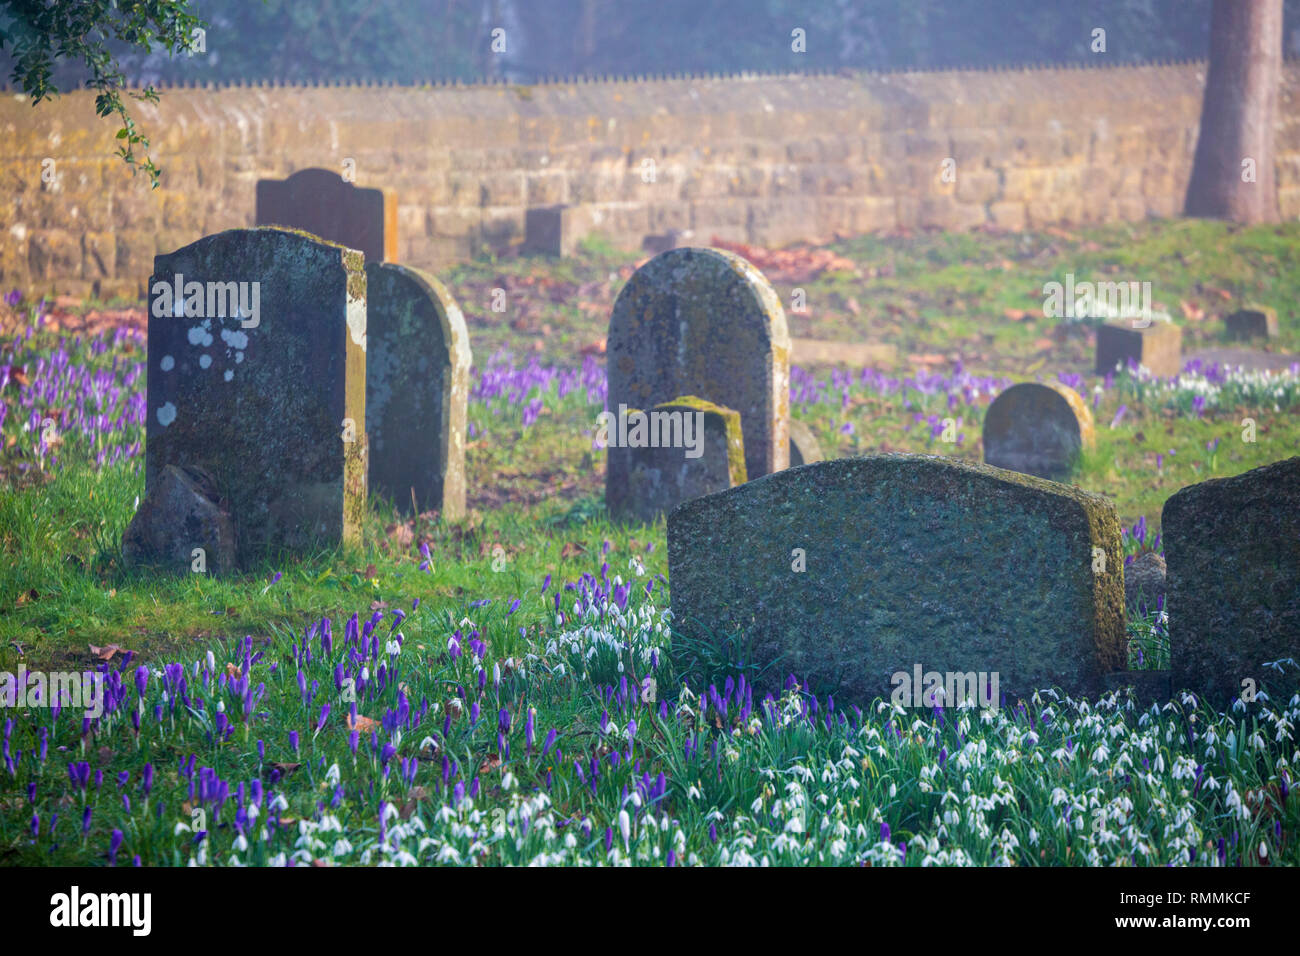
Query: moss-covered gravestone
point(325, 204)
point(257, 376)
point(417, 385)
point(850, 571)
point(1233, 580)
point(1037, 430)
point(706, 323)
point(677, 451)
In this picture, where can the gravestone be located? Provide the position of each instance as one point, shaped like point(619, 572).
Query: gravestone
point(1144, 583)
point(847, 572)
point(706, 323)
point(555, 230)
point(261, 383)
point(1037, 429)
point(804, 448)
point(1252, 322)
point(326, 205)
point(691, 448)
point(1158, 347)
point(1233, 587)
point(417, 386)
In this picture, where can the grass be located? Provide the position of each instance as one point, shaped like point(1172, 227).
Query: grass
point(1036, 782)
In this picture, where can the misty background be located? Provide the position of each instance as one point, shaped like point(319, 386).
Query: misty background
point(412, 41)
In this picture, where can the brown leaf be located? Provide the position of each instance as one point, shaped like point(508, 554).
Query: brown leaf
point(852, 305)
point(18, 376)
point(1191, 311)
point(104, 653)
point(233, 671)
point(378, 605)
point(413, 800)
point(363, 724)
point(491, 763)
point(369, 572)
point(572, 549)
point(284, 768)
point(1017, 315)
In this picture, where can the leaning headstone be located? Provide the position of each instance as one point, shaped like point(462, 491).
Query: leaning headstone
point(849, 572)
point(1158, 347)
point(1252, 322)
point(706, 323)
point(804, 448)
point(181, 525)
point(417, 386)
point(685, 448)
point(326, 205)
point(261, 382)
point(1233, 550)
point(1037, 430)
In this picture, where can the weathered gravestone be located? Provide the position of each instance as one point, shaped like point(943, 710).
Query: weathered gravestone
point(1037, 430)
point(850, 571)
point(706, 323)
point(325, 204)
point(417, 386)
point(261, 382)
point(1233, 588)
point(1158, 347)
point(1252, 322)
point(686, 448)
point(804, 447)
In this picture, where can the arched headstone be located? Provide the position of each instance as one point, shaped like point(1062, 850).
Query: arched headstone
point(706, 323)
point(417, 386)
point(1037, 430)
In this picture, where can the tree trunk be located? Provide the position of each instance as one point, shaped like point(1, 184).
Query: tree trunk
point(1232, 176)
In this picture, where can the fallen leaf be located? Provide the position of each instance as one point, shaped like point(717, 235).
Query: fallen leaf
point(572, 549)
point(284, 768)
point(362, 724)
point(378, 605)
point(1191, 311)
point(370, 572)
point(413, 800)
point(1044, 344)
point(491, 763)
point(233, 672)
point(105, 653)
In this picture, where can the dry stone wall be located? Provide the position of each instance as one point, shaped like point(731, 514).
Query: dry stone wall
point(766, 159)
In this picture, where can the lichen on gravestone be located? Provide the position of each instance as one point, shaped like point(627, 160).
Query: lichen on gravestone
point(903, 560)
point(663, 475)
point(1232, 547)
point(272, 405)
point(702, 322)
